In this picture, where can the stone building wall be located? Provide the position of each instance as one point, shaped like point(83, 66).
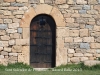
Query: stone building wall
point(80, 37)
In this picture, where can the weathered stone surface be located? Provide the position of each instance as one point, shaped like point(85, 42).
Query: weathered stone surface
point(90, 27)
point(3, 43)
point(91, 62)
point(88, 54)
point(4, 53)
point(5, 4)
point(60, 1)
point(9, 0)
point(48, 1)
point(64, 6)
point(20, 1)
point(15, 20)
point(3, 26)
point(28, 16)
point(68, 39)
point(11, 42)
point(92, 2)
point(1, 56)
point(75, 59)
point(26, 33)
point(78, 54)
point(97, 7)
point(98, 1)
point(7, 49)
point(13, 25)
point(17, 4)
point(86, 7)
point(20, 30)
point(41, 9)
point(81, 1)
point(8, 21)
point(70, 55)
point(98, 51)
point(23, 8)
point(92, 12)
point(84, 46)
point(75, 15)
point(70, 1)
point(41, 1)
point(77, 39)
point(13, 54)
point(18, 12)
point(15, 36)
point(1, 48)
point(74, 32)
point(55, 13)
point(86, 15)
point(4, 61)
point(60, 43)
point(72, 25)
point(1, 21)
point(19, 16)
point(7, 13)
point(62, 32)
point(95, 45)
point(22, 41)
point(96, 28)
point(17, 49)
point(71, 51)
point(82, 26)
point(84, 58)
point(74, 45)
point(88, 39)
point(34, 1)
point(98, 39)
point(81, 20)
point(70, 20)
point(61, 56)
point(5, 37)
point(84, 32)
point(14, 58)
point(2, 32)
point(11, 31)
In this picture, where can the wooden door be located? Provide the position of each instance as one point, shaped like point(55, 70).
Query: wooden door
point(40, 45)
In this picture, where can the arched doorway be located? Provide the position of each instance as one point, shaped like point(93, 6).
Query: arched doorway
point(42, 42)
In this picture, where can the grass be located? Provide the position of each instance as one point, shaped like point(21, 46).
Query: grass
point(69, 69)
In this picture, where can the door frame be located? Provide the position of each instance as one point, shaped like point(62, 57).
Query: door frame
point(61, 51)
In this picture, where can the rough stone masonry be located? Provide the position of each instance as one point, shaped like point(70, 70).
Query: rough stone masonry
point(81, 35)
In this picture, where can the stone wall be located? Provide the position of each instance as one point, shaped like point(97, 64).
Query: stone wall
point(79, 37)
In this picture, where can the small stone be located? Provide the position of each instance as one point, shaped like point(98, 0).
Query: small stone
point(3, 43)
point(75, 60)
point(86, 7)
point(13, 58)
point(78, 54)
point(17, 49)
point(84, 32)
point(7, 13)
point(60, 1)
point(70, 1)
point(84, 58)
point(48, 1)
point(17, 4)
point(13, 25)
point(21, 1)
point(81, 1)
point(19, 16)
point(34, 1)
point(95, 45)
point(5, 37)
point(13, 54)
point(22, 41)
point(16, 35)
point(69, 20)
point(9, 0)
point(15, 20)
point(1, 48)
point(96, 28)
point(74, 32)
point(1, 56)
point(98, 1)
point(18, 12)
point(68, 39)
point(8, 21)
point(84, 46)
point(92, 2)
point(41, 1)
point(70, 55)
point(88, 54)
point(3, 26)
point(98, 39)
point(98, 51)
point(11, 42)
point(4, 53)
point(23, 8)
point(64, 6)
point(82, 11)
point(2, 32)
point(88, 39)
point(90, 27)
point(11, 31)
point(77, 39)
point(20, 30)
point(71, 51)
point(7, 49)
point(4, 61)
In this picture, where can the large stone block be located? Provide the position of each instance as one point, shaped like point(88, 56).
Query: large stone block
point(4, 61)
point(81, 1)
point(88, 39)
point(17, 49)
point(13, 25)
point(60, 1)
point(7, 49)
point(92, 2)
point(74, 32)
point(5, 37)
point(96, 28)
point(3, 26)
point(61, 55)
point(69, 39)
point(97, 7)
point(72, 25)
point(84, 58)
point(84, 46)
point(12, 58)
point(57, 15)
point(11, 42)
point(95, 45)
point(75, 60)
point(60, 43)
point(84, 32)
point(2, 32)
point(17, 4)
point(70, 1)
point(69, 20)
point(86, 7)
point(3, 43)
point(22, 41)
point(26, 33)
